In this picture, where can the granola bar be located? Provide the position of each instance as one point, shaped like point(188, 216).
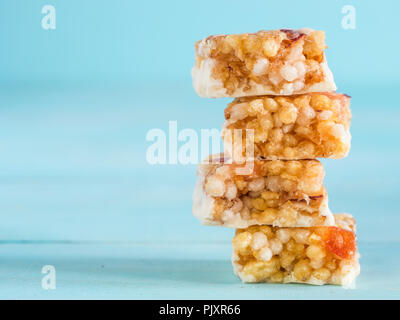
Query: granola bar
point(315, 255)
point(275, 62)
point(279, 193)
point(305, 126)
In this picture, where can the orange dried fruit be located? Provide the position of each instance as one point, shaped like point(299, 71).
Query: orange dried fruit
point(338, 241)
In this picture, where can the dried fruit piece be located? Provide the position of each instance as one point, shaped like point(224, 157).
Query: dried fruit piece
point(340, 242)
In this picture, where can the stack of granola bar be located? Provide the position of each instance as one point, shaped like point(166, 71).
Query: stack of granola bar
point(268, 184)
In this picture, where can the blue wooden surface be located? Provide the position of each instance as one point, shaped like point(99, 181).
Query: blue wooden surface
point(76, 192)
point(171, 271)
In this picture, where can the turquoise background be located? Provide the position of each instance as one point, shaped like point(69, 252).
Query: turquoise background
point(76, 104)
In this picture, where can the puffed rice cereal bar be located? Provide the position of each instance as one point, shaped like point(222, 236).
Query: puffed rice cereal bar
point(278, 193)
point(314, 125)
point(317, 255)
point(276, 62)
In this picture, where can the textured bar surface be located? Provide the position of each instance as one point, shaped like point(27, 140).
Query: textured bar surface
point(308, 126)
point(276, 62)
point(279, 193)
point(316, 255)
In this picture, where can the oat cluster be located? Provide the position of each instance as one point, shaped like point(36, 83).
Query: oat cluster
point(279, 62)
point(316, 255)
point(284, 60)
point(279, 193)
point(308, 126)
